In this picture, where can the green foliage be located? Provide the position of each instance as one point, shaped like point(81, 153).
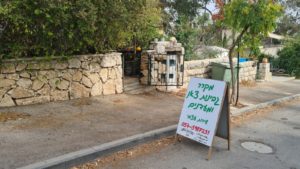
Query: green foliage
point(42, 28)
point(186, 35)
point(289, 58)
point(257, 19)
point(189, 21)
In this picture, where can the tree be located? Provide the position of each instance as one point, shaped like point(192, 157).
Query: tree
point(289, 23)
point(251, 20)
point(45, 28)
point(189, 21)
point(289, 57)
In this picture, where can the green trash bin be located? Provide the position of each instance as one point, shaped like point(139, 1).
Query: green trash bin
point(221, 71)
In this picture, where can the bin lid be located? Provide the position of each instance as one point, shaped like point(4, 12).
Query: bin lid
point(223, 64)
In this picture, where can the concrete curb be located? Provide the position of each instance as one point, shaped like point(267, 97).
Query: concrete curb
point(265, 104)
point(76, 158)
point(82, 156)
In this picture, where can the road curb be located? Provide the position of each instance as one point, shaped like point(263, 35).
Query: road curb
point(78, 157)
point(82, 156)
point(265, 104)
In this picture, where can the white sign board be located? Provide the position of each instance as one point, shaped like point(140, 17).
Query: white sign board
point(201, 110)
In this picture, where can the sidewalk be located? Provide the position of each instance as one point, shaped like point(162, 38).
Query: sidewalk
point(266, 91)
point(54, 129)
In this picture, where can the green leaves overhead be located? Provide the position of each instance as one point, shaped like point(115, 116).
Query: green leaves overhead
point(55, 27)
point(254, 19)
point(260, 16)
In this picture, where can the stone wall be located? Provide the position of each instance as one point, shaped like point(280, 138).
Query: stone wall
point(31, 81)
point(203, 68)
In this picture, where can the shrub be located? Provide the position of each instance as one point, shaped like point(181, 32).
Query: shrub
point(55, 27)
point(289, 58)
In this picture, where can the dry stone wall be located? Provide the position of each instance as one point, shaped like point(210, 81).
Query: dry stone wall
point(31, 81)
point(203, 68)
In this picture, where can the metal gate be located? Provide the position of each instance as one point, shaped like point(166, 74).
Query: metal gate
point(165, 69)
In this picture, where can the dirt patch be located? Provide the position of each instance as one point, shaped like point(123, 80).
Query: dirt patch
point(12, 116)
point(240, 105)
point(41, 122)
point(115, 158)
point(238, 120)
point(118, 101)
point(246, 83)
point(82, 102)
point(181, 92)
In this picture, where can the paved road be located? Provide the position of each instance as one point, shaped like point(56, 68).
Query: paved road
point(280, 129)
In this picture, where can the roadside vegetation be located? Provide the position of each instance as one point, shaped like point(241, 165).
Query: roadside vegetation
point(47, 28)
point(289, 58)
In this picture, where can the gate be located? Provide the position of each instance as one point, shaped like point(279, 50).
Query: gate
point(166, 69)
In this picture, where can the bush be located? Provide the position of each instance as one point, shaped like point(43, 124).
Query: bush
point(289, 58)
point(54, 27)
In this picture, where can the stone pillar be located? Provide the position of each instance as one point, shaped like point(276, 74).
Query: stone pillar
point(264, 72)
point(161, 65)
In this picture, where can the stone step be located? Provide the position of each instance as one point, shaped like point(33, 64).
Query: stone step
point(129, 85)
point(141, 90)
point(133, 87)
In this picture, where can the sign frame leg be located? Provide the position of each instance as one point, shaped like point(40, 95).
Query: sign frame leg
point(229, 120)
point(210, 149)
point(177, 137)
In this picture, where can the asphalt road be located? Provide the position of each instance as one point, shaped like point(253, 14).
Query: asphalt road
point(279, 129)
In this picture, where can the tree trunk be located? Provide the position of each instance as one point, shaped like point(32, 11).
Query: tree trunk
point(231, 49)
point(238, 79)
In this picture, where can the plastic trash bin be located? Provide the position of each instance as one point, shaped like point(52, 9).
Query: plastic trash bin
point(221, 71)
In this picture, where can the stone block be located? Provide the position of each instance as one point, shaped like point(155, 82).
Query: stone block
point(6, 101)
point(33, 100)
point(51, 74)
point(33, 66)
point(63, 85)
point(25, 83)
point(119, 72)
point(57, 95)
point(21, 66)
point(77, 76)
point(12, 76)
point(119, 86)
point(8, 68)
point(6, 82)
point(97, 89)
point(25, 75)
point(37, 84)
point(112, 73)
point(94, 77)
point(86, 81)
point(94, 67)
point(78, 90)
point(3, 91)
point(109, 87)
point(118, 59)
point(67, 76)
point(108, 61)
point(60, 65)
point(104, 75)
point(54, 82)
point(74, 63)
point(20, 92)
point(85, 65)
point(45, 90)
